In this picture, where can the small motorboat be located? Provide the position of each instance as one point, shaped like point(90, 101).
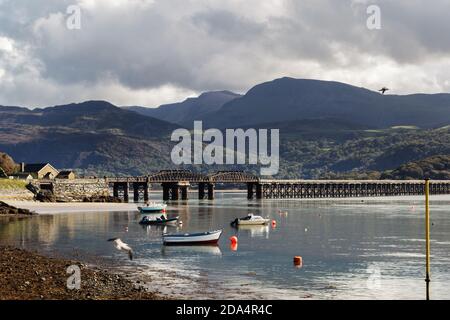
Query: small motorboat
point(250, 220)
point(201, 238)
point(152, 207)
point(159, 220)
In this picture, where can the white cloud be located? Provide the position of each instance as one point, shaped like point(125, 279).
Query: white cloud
point(149, 52)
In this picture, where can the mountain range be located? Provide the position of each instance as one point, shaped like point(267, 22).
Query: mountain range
point(288, 99)
point(326, 127)
point(186, 112)
point(95, 136)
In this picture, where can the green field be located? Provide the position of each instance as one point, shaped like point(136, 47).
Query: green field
point(8, 184)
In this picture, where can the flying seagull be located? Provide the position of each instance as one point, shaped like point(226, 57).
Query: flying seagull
point(122, 246)
point(383, 90)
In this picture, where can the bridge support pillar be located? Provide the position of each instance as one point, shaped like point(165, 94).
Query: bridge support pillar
point(117, 187)
point(175, 192)
point(259, 191)
point(210, 191)
point(146, 187)
point(166, 191)
point(184, 192)
point(125, 192)
point(201, 191)
point(172, 190)
point(136, 192)
point(115, 190)
point(140, 188)
point(250, 190)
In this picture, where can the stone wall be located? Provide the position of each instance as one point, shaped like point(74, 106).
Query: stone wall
point(78, 189)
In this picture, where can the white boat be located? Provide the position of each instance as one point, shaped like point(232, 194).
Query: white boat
point(200, 238)
point(250, 220)
point(153, 207)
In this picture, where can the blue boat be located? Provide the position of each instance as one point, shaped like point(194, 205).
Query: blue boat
point(153, 207)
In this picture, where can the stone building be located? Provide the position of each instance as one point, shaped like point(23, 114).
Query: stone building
point(39, 170)
point(66, 174)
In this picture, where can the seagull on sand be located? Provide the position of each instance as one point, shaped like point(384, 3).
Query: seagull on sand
point(383, 90)
point(122, 246)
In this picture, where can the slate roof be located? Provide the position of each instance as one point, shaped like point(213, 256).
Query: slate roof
point(34, 167)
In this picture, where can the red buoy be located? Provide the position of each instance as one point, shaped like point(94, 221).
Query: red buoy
point(234, 240)
point(298, 261)
point(274, 223)
point(234, 246)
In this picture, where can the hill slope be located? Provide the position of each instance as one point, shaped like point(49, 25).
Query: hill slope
point(288, 99)
point(436, 167)
point(325, 128)
point(184, 113)
point(95, 136)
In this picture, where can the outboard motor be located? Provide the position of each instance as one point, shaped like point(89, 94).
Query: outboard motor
point(235, 222)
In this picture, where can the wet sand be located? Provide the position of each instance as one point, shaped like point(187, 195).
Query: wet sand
point(67, 207)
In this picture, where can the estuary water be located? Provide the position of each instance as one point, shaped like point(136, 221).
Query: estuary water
point(372, 248)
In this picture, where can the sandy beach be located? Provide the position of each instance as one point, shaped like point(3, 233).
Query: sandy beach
point(68, 207)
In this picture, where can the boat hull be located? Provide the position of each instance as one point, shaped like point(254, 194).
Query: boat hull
point(253, 222)
point(206, 238)
point(155, 209)
point(158, 222)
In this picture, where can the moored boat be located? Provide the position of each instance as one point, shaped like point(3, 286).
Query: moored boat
point(200, 238)
point(159, 220)
point(153, 207)
point(250, 220)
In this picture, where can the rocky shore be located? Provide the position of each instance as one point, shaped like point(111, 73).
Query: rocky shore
point(26, 275)
point(6, 209)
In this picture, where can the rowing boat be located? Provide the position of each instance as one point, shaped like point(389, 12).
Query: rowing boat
point(200, 238)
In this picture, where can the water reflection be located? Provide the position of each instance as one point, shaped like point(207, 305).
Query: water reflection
point(340, 242)
point(253, 231)
point(190, 250)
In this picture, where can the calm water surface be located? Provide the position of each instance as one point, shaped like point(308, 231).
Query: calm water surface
point(372, 249)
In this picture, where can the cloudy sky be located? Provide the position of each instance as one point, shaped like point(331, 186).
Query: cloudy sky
point(149, 52)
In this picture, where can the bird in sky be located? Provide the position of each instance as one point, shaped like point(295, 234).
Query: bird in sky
point(122, 246)
point(383, 90)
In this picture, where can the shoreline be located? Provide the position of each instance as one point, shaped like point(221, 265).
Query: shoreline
point(77, 207)
point(27, 275)
point(31, 275)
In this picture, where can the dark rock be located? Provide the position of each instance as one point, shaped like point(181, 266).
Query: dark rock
point(7, 209)
point(45, 196)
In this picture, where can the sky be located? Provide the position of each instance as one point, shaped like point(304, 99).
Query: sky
point(151, 52)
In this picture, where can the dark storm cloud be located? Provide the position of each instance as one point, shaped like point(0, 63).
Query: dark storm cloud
point(176, 47)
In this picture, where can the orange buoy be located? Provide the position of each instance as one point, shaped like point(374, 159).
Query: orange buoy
point(234, 240)
point(234, 246)
point(298, 261)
